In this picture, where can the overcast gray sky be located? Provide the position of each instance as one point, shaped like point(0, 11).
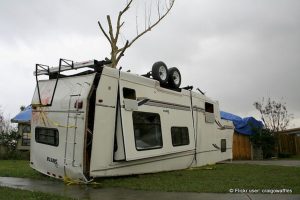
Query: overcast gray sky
point(235, 51)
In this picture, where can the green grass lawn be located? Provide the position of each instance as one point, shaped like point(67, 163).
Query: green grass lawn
point(218, 178)
point(15, 194)
point(18, 168)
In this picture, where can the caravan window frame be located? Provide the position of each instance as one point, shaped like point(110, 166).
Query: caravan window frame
point(48, 136)
point(138, 124)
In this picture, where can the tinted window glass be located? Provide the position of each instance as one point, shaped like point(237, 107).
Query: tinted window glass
point(209, 107)
point(147, 130)
point(129, 93)
point(46, 136)
point(223, 145)
point(180, 136)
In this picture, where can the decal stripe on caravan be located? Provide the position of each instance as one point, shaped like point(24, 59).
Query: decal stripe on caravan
point(59, 111)
point(198, 109)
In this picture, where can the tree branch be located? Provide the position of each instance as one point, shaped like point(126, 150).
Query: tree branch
point(149, 17)
point(119, 19)
point(158, 9)
point(126, 8)
point(150, 27)
point(145, 19)
point(116, 52)
point(104, 33)
point(274, 114)
point(122, 51)
point(136, 25)
point(110, 29)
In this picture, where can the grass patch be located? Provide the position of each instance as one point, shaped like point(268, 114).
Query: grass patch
point(18, 168)
point(16, 194)
point(217, 180)
point(15, 155)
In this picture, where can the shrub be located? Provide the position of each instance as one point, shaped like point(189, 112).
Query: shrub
point(265, 139)
point(284, 155)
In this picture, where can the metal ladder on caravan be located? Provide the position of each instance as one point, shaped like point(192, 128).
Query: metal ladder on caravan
point(71, 133)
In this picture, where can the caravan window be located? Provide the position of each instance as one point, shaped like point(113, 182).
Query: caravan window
point(223, 145)
point(129, 93)
point(147, 130)
point(209, 107)
point(46, 136)
point(180, 136)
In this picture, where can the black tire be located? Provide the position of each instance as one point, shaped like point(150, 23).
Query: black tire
point(160, 72)
point(174, 80)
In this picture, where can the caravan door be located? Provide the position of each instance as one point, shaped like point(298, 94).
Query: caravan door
point(138, 124)
point(153, 118)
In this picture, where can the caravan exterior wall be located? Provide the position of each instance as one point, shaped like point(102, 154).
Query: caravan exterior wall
point(113, 123)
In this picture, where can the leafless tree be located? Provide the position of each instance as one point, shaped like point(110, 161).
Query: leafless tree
point(1, 120)
point(8, 132)
point(113, 34)
point(274, 114)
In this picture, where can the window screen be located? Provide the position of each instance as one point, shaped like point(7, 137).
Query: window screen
point(26, 135)
point(47, 136)
point(147, 130)
point(180, 136)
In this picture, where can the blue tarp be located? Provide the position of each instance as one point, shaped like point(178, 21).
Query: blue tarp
point(245, 126)
point(24, 116)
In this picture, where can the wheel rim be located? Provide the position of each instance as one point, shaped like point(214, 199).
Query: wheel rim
point(162, 73)
point(176, 78)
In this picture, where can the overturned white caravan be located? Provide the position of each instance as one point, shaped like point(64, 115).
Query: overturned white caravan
point(105, 122)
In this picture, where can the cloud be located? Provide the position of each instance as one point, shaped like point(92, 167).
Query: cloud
point(236, 51)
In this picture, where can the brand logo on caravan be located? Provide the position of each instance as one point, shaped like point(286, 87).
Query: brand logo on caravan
point(53, 160)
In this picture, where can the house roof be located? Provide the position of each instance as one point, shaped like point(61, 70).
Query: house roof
point(24, 116)
point(245, 126)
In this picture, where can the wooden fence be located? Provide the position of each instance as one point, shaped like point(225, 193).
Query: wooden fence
point(297, 142)
point(289, 143)
point(241, 149)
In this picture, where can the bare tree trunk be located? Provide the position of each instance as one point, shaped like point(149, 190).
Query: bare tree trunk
point(116, 52)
